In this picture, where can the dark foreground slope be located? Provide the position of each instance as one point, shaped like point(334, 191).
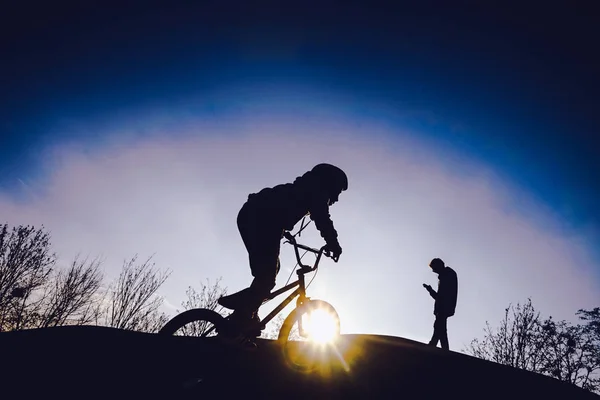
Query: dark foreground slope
point(93, 362)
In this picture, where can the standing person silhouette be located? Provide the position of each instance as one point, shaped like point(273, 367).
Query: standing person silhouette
point(445, 301)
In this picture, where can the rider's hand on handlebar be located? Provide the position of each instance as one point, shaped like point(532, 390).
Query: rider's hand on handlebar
point(335, 249)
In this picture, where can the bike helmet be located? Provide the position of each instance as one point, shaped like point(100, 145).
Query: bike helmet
point(331, 177)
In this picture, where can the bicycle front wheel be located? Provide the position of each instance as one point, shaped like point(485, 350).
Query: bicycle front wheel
point(198, 322)
point(317, 324)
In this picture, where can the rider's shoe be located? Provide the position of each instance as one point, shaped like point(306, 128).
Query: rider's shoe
point(235, 300)
point(226, 302)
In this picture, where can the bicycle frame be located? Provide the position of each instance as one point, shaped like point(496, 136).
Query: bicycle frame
point(300, 283)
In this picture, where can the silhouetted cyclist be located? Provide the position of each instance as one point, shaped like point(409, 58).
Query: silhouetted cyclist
point(262, 220)
point(445, 301)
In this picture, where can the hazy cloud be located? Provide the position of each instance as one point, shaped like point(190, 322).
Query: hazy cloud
point(175, 193)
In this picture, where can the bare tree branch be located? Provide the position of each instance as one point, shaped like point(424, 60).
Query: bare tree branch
point(207, 298)
point(133, 302)
point(570, 353)
point(25, 265)
point(69, 299)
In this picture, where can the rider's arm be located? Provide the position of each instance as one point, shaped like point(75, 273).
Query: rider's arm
point(319, 213)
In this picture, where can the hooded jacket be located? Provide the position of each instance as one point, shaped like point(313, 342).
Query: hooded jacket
point(447, 293)
point(288, 203)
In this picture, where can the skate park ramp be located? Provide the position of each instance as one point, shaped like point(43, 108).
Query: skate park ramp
point(98, 362)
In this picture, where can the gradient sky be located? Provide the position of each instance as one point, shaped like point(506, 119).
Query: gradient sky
point(468, 133)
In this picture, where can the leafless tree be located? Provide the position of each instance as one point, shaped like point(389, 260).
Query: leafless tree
point(206, 297)
point(573, 352)
point(591, 332)
point(517, 340)
point(26, 262)
point(133, 302)
point(70, 296)
point(34, 293)
point(555, 348)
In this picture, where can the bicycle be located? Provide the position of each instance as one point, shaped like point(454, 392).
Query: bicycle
point(305, 306)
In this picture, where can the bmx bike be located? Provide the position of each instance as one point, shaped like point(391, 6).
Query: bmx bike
point(294, 326)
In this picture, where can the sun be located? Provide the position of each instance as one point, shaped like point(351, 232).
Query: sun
point(321, 327)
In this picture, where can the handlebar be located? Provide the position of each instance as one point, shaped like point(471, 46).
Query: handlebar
point(319, 252)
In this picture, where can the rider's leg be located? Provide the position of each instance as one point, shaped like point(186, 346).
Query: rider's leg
point(264, 264)
point(262, 238)
point(252, 299)
point(262, 284)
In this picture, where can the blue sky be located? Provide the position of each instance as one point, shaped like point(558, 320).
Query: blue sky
point(507, 90)
point(482, 95)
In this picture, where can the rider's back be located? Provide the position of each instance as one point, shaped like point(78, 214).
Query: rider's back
point(287, 203)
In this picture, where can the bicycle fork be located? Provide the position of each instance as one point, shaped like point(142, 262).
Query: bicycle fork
point(299, 303)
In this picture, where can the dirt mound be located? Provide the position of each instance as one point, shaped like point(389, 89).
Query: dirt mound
point(97, 362)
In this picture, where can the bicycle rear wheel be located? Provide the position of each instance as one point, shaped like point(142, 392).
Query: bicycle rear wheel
point(198, 322)
point(317, 324)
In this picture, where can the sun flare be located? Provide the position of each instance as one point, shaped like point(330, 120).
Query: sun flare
point(321, 327)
